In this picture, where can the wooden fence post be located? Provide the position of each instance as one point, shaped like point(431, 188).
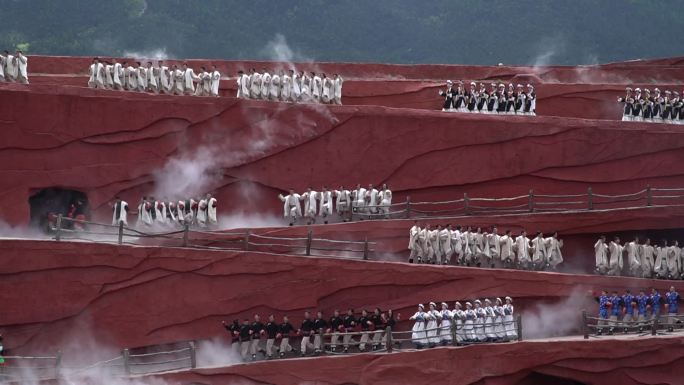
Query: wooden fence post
point(518, 319)
point(654, 327)
point(465, 203)
point(649, 195)
point(365, 249)
point(120, 232)
point(126, 361)
point(590, 199)
point(58, 364)
point(530, 201)
point(309, 238)
point(585, 327)
point(408, 207)
point(193, 355)
point(388, 339)
point(58, 235)
point(186, 229)
point(247, 240)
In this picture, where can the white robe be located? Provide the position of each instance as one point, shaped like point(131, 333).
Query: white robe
point(188, 80)
point(160, 211)
point(509, 322)
point(661, 260)
point(296, 87)
point(255, 85)
point(214, 84)
point(179, 81)
point(494, 243)
point(601, 254)
point(274, 88)
point(469, 325)
point(506, 243)
point(445, 243)
point(93, 76)
point(615, 255)
point(457, 242)
point(11, 69)
point(633, 255)
point(343, 200)
point(337, 90)
point(489, 322)
point(431, 329)
point(372, 200)
point(326, 203)
point(647, 253)
point(291, 206)
point(445, 331)
point(109, 81)
point(122, 208)
point(522, 245)
point(538, 250)
point(131, 78)
point(211, 210)
point(22, 63)
point(152, 79)
point(310, 202)
point(480, 324)
point(118, 76)
point(305, 87)
point(326, 92)
point(418, 331)
point(553, 251)
point(265, 85)
point(414, 243)
point(286, 88)
point(360, 199)
point(316, 86)
point(243, 92)
point(2, 67)
point(499, 329)
point(202, 212)
point(141, 73)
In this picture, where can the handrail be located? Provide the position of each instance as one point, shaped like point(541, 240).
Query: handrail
point(652, 324)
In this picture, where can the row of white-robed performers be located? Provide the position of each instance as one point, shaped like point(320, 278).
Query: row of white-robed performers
point(174, 80)
point(370, 202)
point(497, 100)
point(150, 212)
point(13, 68)
point(665, 107)
point(477, 322)
point(663, 261)
point(474, 246)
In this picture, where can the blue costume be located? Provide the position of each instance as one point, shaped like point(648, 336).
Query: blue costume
point(603, 307)
point(642, 302)
point(627, 300)
point(615, 300)
point(655, 303)
point(672, 298)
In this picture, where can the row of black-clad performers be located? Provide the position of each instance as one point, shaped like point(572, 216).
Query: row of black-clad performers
point(497, 100)
point(657, 107)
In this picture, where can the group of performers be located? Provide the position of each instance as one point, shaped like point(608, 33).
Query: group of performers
point(629, 312)
point(290, 86)
point(14, 68)
point(317, 335)
point(662, 261)
point(148, 78)
point(667, 107)
point(198, 211)
point(478, 322)
point(367, 202)
point(514, 100)
point(482, 248)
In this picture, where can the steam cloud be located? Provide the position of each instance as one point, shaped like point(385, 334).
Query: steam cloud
point(552, 320)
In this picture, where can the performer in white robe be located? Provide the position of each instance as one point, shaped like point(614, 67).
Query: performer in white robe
point(468, 246)
point(633, 250)
point(203, 87)
point(163, 78)
point(553, 251)
point(673, 255)
point(660, 267)
point(3, 63)
point(616, 263)
point(118, 75)
point(212, 205)
point(291, 207)
point(310, 202)
point(306, 86)
point(647, 259)
point(316, 85)
point(494, 242)
point(141, 75)
point(434, 318)
point(144, 213)
point(337, 89)
point(359, 200)
point(469, 324)
point(457, 244)
point(326, 90)
point(601, 255)
point(131, 78)
point(214, 81)
point(418, 335)
point(459, 317)
point(244, 85)
point(499, 328)
point(510, 326)
point(93, 72)
point(11, 69)
point(489, 321)
point(423, 240)
point(255, 85)
point(296, 86)
point(480, 322)
point(372, 201)
point(445, 337)
point(522, 249)
point(538, 248)
point(188, 80)
point(385, 198)
point(286, 87)
point(343, 203)
point(152, 84)
point(326, 202)
point(202, 212)
point(22, 65)
point(416, 251)
point(445, 244)
point(434, 254)
point(265, 84)
point(120, 212)
point(109, 79)
point(178, 80)
point(507, 254)
point(274, 88)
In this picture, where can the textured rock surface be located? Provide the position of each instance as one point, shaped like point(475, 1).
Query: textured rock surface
point(137, 296)
point(634, 361)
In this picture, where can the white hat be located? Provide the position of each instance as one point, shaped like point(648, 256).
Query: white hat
point(509, 299)
point(668, 92)
point(450, 82)
point(637, 89)
point(518, 86)
point(445, 305)
point(433, 304)
point(458, 304)
point(473, 84)
point(647, 90)
point(502, 85)
point(498, 300)
point(656, 90)
point(477, 302)
point(487, 300)
point(420, 305)
point(469, 304)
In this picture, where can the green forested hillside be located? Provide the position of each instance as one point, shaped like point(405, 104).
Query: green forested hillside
point(398, 31)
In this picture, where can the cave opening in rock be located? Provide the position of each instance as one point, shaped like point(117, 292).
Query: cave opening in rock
point(535, 378)
point(48, 203)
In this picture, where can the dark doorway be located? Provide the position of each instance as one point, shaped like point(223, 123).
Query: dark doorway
point(50, 202)
point(535, 378)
